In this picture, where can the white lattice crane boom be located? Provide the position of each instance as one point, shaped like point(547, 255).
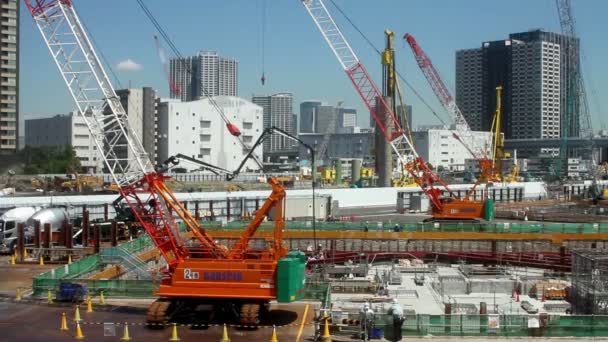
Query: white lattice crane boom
point(385, 119)
point(122, 152)
point(144, 190)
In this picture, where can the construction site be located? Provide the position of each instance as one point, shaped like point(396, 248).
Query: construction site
point(339, 250)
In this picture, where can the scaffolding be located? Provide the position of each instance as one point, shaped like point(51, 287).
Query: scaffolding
point(590, 282)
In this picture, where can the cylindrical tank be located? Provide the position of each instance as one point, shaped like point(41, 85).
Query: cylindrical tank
point(338, 167)
point(355, 174)
point(489, 209)
point(55, 216)
point(483, 308)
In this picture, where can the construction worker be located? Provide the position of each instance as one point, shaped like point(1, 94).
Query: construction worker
point(367, 322)
point(396, 312)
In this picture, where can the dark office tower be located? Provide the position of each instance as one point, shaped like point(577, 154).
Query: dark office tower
point(308, 115)
point(538, 97)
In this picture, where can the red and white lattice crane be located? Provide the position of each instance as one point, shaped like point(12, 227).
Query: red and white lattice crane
point(443, 208)
point(462, 130)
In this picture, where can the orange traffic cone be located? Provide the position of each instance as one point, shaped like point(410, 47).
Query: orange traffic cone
point(174, 336)
point(225, 337)
point(274, 337)
point(77, 314)
point(64, 322)
point(326, 336)
point(18, 295)
point(125, 335)
point(41, 262)
point(79, 335)
point(89, 305)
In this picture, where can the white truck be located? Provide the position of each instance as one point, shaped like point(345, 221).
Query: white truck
point(8, 224)
point(55, 216)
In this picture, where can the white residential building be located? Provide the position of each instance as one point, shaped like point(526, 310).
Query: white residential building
point(196, 129)
point(205, 74)
point(440, 148)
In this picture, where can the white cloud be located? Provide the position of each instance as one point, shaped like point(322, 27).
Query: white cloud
point(129, 65)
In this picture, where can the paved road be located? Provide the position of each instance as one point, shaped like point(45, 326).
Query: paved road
point(33, 322)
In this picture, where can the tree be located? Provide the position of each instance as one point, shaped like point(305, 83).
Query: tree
point(49, 159)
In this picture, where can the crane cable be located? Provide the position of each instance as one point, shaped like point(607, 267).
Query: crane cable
point(176, 52)
point(263, 79)
point(369, 42)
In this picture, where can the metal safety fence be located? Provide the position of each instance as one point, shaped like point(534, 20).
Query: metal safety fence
point(359, 226)
point(482, 325)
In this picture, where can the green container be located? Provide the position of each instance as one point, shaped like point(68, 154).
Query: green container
point(291, 277)
point(489, 210)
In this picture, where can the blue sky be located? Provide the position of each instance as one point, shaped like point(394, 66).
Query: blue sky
point(297, 59)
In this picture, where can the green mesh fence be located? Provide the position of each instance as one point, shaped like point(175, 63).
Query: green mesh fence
point(318, 291)
point(77, 273)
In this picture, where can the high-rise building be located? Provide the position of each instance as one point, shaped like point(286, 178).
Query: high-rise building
point(278, 112)
point(206, 74)
point(308, 115)
point(531, 70)
point(9, 70)
point(326, 120)
point(468, 86)
point(140, 106)
point(347, 118)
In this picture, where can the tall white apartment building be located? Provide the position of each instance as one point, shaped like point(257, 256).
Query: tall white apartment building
point(205, 74)
point(9, 76)
point(278, 112)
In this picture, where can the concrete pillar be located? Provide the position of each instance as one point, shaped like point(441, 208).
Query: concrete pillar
point(97, 237)
point(47, 235)
point(36, 234)
point(197, 215)
point(105, 212)
point(21, 240)
point(383, 150)
point(85, 228)
point(114, 233)
point(448, 317)
point(69, 241)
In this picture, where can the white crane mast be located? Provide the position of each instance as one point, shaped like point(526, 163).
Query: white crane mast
point(385, 119)
point(83, 73)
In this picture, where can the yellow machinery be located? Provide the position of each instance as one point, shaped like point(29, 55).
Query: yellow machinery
point(367, 172)
point(403, 181)
point(328, 175)
point(498, 153)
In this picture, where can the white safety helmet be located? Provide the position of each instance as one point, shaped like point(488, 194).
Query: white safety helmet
point(395, 301)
